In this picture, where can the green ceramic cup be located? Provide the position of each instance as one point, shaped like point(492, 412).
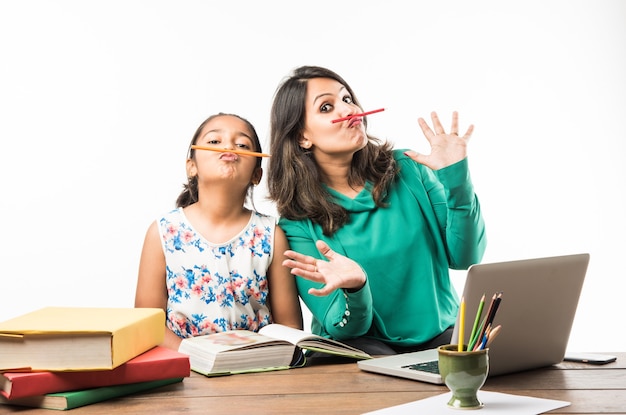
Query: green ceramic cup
point(464, 374)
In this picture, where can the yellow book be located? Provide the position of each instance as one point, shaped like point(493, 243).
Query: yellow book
point(79, 338)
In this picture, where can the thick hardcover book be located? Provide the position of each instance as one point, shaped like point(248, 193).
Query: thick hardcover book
point(74, 399)
point(75, 338)
point(274, 347)
point(155, 364)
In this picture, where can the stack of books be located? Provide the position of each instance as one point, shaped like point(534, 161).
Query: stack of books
point(66, 357)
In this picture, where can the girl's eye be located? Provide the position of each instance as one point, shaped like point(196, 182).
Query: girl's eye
point(213, 142)
point(326, 108)
point(244, 146)
point(347, 100)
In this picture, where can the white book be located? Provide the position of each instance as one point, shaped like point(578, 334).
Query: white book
point(274, 347)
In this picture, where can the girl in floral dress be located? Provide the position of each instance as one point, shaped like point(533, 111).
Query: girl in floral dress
point(213, 264)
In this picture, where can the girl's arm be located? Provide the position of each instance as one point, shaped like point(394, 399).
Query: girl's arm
point(151, 288)
point(283, 294)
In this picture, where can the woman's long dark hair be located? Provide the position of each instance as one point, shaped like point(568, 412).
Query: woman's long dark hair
point(189, 195)
point(294, 180)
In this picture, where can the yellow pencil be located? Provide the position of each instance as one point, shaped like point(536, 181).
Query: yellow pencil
point(461, 324)
point(225, 150)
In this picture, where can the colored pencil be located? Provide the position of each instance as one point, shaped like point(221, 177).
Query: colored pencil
point(493, 334)
point(483, 339)
point(481, 332)
point(479, 313)
point(495, 308)
point(461, 324)
point(225, 150)
point(357, 115)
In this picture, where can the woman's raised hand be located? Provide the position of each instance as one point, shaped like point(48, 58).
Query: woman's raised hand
point(446, 148)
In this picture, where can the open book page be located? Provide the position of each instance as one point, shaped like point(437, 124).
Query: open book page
point(231, 340)
point(236, 351)
point(311, 341)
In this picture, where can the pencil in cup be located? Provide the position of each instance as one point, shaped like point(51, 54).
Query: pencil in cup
point(483, 333)
point(491, 312)
point(492, 335)
point(479, 312)
point(480, 329)
point(461, 325)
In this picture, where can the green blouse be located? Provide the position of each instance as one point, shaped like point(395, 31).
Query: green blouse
point(432, 222)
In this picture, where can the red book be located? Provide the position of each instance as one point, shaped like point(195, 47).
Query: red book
point(155, 364)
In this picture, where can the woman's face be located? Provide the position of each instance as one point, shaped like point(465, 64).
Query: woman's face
point(327, 100)
point(225, 132)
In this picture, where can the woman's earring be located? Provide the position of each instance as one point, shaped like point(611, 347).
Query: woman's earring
point(306, 146)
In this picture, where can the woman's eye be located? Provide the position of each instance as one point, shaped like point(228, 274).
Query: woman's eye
point(326, 108)
point(347, 100)
point(244, 146)
point(213, 142)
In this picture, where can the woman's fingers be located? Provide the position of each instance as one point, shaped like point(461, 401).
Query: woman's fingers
point(436, 123)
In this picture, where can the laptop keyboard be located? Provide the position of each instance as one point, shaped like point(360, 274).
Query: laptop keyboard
point(431, 367)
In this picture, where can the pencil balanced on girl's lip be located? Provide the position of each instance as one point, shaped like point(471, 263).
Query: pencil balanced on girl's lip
point(228, 150)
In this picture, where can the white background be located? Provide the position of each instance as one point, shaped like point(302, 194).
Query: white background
point(98, 101)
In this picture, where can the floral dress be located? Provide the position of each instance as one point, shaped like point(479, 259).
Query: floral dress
point(216, 287)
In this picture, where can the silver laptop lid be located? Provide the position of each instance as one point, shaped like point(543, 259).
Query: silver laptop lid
point(538, 306)
point(539, 301)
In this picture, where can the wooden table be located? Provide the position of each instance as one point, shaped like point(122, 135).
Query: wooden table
point(344, 389)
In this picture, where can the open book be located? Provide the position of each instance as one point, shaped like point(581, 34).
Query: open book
point(274, 347)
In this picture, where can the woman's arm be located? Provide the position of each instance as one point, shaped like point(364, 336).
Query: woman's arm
point(337, 293)
point(465, 232)
point(455, 206)
point(448, 184)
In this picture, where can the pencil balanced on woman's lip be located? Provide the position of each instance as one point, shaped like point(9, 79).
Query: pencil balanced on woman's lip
point(358, 115)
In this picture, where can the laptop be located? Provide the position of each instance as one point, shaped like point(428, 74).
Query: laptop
point(537, 309)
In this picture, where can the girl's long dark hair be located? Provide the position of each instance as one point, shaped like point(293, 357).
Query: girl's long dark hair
point(189, 195)
point(294, 180)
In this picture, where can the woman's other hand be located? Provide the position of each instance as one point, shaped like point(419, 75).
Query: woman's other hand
point(337, 272)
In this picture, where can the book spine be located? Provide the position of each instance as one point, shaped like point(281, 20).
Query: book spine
point(85, 397)
point(136, 338)
point(155, 364)
point(75, 399)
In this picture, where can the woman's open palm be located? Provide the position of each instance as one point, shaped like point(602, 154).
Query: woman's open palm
point(446, 148)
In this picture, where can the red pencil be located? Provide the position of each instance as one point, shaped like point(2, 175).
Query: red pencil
point(357, 115)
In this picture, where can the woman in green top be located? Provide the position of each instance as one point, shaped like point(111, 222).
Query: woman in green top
point(373, 231)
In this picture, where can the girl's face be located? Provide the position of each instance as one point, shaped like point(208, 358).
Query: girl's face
point(225, 132)
point(327, 100)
